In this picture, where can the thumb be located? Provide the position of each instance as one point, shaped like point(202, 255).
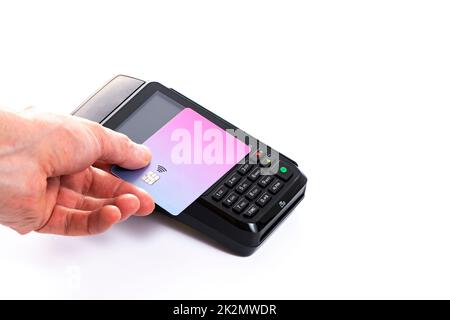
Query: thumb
point(117, 148)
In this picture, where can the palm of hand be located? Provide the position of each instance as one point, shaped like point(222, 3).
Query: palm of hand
point(89, 202)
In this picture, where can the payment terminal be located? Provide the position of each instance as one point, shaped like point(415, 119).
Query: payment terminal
point(237, 199)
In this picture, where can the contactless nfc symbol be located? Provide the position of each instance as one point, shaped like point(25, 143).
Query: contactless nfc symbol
point(161, 169)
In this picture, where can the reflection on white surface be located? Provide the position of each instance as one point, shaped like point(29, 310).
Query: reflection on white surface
point(153, 257)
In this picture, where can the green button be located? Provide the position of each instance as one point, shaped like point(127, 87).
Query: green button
point(283, 169)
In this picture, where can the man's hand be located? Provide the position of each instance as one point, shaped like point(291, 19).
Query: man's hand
point(54, 175)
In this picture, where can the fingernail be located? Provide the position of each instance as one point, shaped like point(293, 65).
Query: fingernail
point(144, 152)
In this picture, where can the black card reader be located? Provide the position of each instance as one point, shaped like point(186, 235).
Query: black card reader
point(243, 207)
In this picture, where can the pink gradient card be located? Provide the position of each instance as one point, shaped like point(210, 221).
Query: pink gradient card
point(189, 154)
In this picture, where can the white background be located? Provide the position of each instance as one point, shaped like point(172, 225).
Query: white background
point(356, 91)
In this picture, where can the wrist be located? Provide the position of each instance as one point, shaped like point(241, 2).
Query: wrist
point(19, 140)
point(12, 127)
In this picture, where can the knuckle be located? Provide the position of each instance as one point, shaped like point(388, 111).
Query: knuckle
point(92, 224)
point(123, 139)
point(129, 145)
point(98, 136)
point(124, 146)
point(67, 224)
